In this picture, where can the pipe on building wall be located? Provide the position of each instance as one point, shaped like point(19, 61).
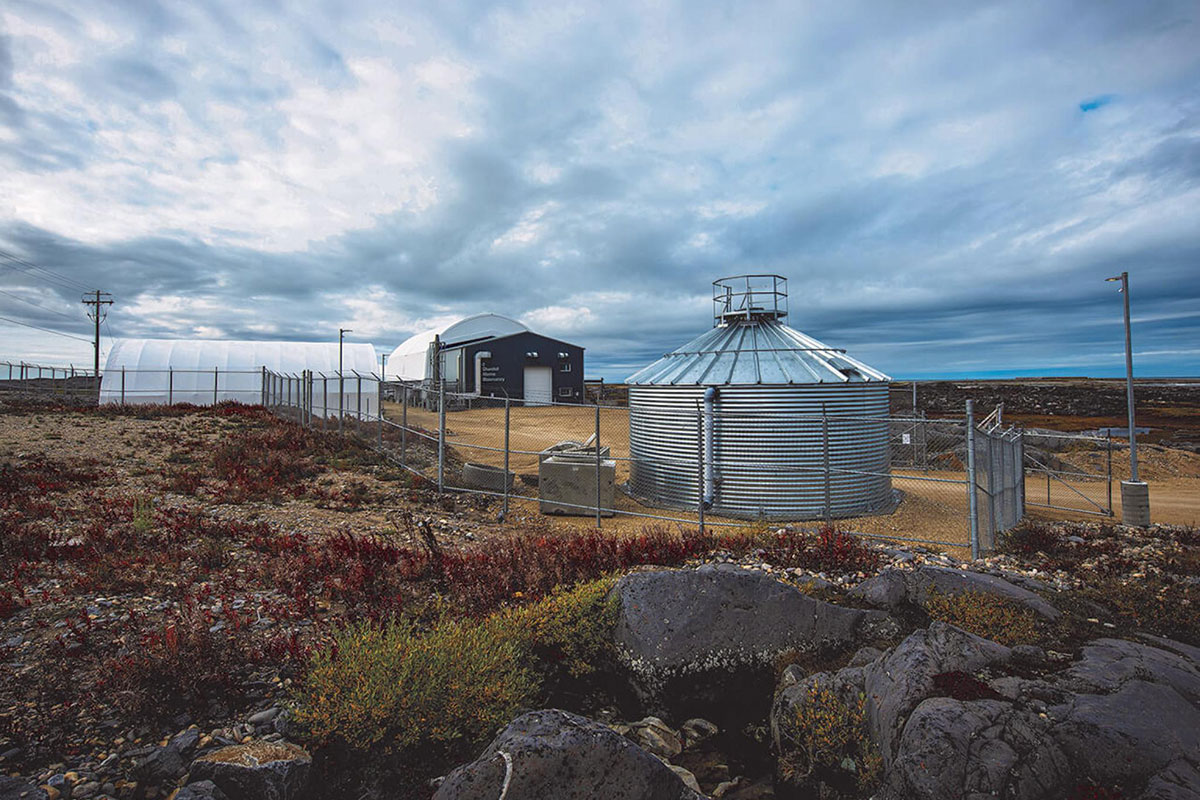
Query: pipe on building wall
point(710, 489)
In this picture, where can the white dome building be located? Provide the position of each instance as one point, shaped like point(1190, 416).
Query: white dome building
point(201, 372)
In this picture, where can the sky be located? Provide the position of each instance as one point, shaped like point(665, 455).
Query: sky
point(945, 185)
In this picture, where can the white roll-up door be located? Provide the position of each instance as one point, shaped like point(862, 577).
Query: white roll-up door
point(539, 385)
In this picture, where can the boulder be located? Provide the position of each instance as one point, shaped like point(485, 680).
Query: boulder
point(552, 753)
point(18, 789)
point(895, 683)
point(697, 637)
point(1126, 713)
point(200, 790)
point(257, 770)
point(891, 588)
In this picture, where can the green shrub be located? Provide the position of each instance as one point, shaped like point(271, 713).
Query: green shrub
point(825, 742)
point(400, 688)
point(569, 631)
point(984, 615)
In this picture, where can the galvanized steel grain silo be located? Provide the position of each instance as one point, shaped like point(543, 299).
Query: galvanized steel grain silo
point(787, 427)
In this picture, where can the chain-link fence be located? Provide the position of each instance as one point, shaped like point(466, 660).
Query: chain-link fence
point(1070, 472)
point(576, 461)
point(24, 381)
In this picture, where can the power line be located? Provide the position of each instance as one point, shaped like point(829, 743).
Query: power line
point(36, 305)
point(30, 268)
point(47, 330)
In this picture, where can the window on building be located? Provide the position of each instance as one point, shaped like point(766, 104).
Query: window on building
point(564, 391)
point(565, 366)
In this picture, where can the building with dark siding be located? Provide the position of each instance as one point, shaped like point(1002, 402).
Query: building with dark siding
point(492, 356)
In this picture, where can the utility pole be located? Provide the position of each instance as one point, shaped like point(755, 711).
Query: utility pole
point(383, 369)
point(1135, 494)
point(97, 300)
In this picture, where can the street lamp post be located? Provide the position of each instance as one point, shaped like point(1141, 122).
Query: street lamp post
point(341, 382)
point(1135, 494)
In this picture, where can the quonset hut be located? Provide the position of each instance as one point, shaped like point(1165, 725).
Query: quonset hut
point(766, 408)
point(199, 371)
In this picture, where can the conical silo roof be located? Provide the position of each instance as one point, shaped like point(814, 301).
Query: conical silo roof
point(755, 351)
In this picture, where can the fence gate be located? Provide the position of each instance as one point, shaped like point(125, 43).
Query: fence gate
point(999, 482)
point(1069, 472)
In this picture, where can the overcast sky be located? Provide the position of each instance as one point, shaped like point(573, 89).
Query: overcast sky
point(946, 185)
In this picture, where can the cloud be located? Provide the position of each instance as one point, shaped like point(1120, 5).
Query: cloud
point(920, 173)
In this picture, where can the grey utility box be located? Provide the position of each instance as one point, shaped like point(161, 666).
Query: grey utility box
point(567, 484)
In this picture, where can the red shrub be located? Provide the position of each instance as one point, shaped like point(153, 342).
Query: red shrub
point(182, 666)
point(828, 550)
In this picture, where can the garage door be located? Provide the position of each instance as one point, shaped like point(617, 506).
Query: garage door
point(539, 386)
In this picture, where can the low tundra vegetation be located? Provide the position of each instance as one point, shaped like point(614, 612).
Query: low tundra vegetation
point(404, 689)
point(985, 615)
point(826, 750)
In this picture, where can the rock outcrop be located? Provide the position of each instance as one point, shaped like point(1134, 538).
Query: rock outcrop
point(892, 588)
point(552, 753)
point(1125, 714)
point(691, 638)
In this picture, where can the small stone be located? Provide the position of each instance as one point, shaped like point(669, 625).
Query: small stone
point(725, 787)
point(687, 777)
point(656, 737)
point(263, 717)
point(697, 730)
point(85, 789)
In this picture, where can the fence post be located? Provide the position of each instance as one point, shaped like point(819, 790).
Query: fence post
point(972, 508)
point(216, 383)
point(379, 409)
point(170, 386)
point(358, 400)
point(324, 400)
point(825, 457)
point(507, 430)
point(404, 425)
point(1108, 448)
point(993, 517)
point(341, 398)
point(597, 466)
point(122, 384)
point(441, 436)
point(700, 466)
